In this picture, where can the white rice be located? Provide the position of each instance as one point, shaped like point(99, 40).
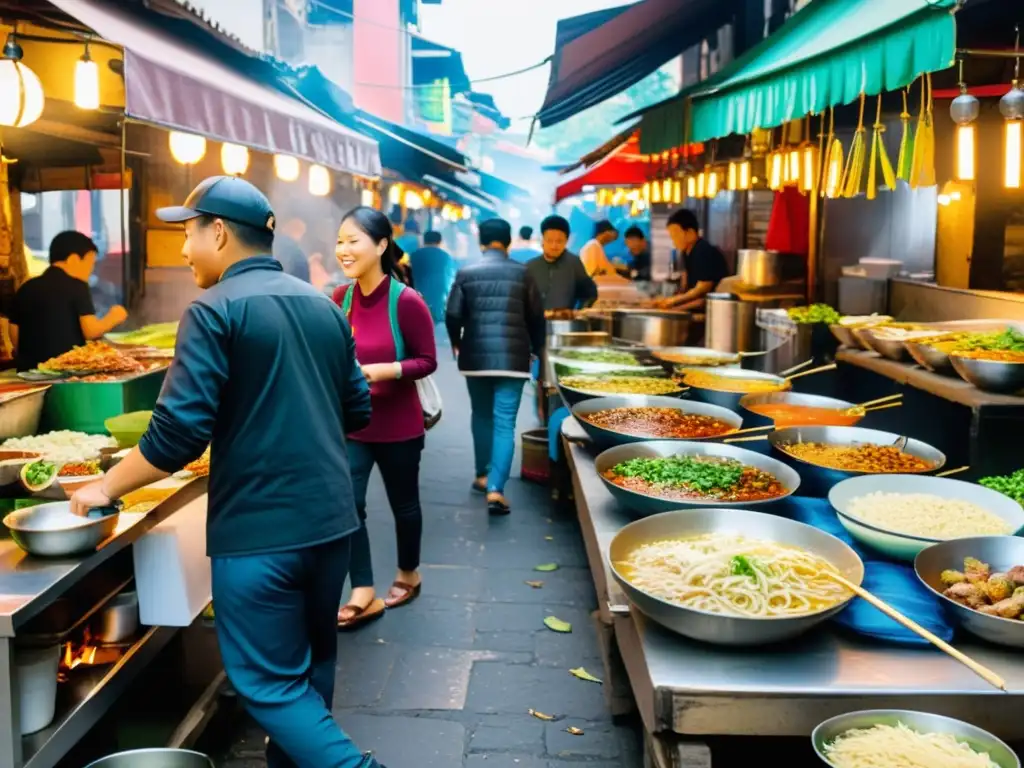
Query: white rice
point(926, 515)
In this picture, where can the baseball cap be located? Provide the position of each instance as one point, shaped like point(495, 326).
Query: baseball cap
point(226, 197)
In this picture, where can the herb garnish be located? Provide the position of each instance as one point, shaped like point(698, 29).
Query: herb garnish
point(704, 475)
point(741, 565)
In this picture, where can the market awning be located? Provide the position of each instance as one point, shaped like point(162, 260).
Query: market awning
point(176, 86)
point(599, 153)
point(458, 192)
point(623, 166)
point(825, 55)
point(500, 189)
point(600, 55)
point(407, 152)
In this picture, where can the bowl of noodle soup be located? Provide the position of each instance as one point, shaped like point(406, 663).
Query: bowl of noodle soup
point(731, 576)
point(899, 738)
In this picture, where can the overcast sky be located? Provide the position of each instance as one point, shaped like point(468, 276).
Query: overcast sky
point(499, 36)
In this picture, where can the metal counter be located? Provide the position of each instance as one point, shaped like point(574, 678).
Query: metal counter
point(693, 689)
point(28, 585)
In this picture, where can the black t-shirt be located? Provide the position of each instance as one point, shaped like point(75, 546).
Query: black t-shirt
point(704, 263)
point(47, 310)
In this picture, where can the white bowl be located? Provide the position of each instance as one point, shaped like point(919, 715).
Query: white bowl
point(904, 546)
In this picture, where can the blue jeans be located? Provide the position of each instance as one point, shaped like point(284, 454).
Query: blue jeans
point(494, 401)
point(277, 628)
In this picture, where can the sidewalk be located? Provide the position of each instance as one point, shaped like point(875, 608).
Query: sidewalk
point(446, 682)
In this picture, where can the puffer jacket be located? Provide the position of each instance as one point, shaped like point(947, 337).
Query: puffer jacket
point(495, 317)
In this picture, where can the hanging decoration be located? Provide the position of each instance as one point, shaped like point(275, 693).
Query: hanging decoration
point(922, 170)
point(21, 93)
point(906, 157)
point(832, 165)
point(1011, 106)
point(853, 175)
point(879, 157)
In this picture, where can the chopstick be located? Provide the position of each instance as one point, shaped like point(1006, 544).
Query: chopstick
point(745, 439)
point(956, 471)
point(749, 429)
point(984, 673)
point(819, 369)
point(754, 354)
point(878, 407)
point(796, 367)
point(876, 401)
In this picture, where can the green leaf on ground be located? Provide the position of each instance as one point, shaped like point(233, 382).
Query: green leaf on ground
point(546, 568)
point(582, 674)
point(557, 625)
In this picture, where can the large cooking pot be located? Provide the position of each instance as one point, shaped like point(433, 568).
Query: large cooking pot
point(655, 329)
point(761, 269)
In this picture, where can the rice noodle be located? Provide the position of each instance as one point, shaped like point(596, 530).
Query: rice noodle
point(729, 574)
point(927, 515)
point(897, 746)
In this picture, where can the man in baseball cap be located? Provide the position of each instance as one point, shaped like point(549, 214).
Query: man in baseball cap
point(265, 374)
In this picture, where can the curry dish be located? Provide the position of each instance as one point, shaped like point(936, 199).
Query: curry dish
point(866, 457)
point(738, 384)
point(696, 478)
point(663, 423)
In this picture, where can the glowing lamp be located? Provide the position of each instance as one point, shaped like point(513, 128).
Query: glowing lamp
point(286, 167)
point(187, 148)
point(234, 159)
point(87, 82)
point(320, 181)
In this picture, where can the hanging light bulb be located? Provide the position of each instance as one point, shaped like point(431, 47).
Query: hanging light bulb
point(711, 189)
point(234, 159)
point(320, 182)
point(395, 194)
point(691, 186)
point(366, 198)
point(775, 170)
point(833, 175)
point(702, 181)
point(964, 110)
point(809, 171)
point(187, 148)
point(647, 191)
point(286, 167)
point(732, 177)
point(1012, 108)
point(793, 167)
point(656, 192)
point(744, 180)
point(677, 192)
point(21, 93)
point(87, 82)
point(666, 190)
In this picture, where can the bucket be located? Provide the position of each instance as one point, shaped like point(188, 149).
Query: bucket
point(37, 686)
point(154, 758)
point(536, 466)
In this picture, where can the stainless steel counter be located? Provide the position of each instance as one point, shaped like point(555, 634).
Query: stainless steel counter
point(694, 689)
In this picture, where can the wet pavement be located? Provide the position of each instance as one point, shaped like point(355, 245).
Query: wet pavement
point(447, 680)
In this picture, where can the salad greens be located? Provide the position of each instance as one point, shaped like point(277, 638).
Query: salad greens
point(40, 473)
point(815, 313)
point(1010, 340)
point(700, 474)
point(1010, 485)
point(613, 356)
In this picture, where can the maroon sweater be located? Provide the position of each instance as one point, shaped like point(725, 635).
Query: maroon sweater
point(397, 413)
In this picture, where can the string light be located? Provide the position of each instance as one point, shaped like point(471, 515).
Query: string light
point(677, 192)
point(775, 170)
point(187, 148)
point(87, 82)
point(711, 189)
point(809, 173)
point(744, 175)
point(286, 167)
point(234, 159)
point(691, 186)
point(320, 181)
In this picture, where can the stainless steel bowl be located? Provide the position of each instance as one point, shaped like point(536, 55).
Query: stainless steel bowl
point(118, 620)
point(731, 400)
point(817, 480)
point(923, 722)
point(715, 627)
point(843, 335)
point(1000, 552)
point(990, 375)
point(643, 504)
point(711, 358)
point(753, 419)
point(571, 396)
point(927, 356)
point(605, 438)
point(893, 349)
point(51, 530)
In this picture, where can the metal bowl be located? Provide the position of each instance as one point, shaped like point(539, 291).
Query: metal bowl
point(1002, 553)
point(903, 546)
point(843, 335)
point(923, 722)
point(753, 419)
point(606, 438)
point(711, 358)
point(51, 530)
point(731, 400)
point(555, 358)
point(643, 504)
point(571, 396)
point(990, 375)
point(154, 758)
point(715, 627)
point(817, 480)
point(928, 356)
point(893, 349)
point(582, 339)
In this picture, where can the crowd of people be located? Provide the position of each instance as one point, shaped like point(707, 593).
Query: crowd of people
point(300, 395)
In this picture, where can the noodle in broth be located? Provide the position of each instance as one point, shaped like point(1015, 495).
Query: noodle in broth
point(734, 575)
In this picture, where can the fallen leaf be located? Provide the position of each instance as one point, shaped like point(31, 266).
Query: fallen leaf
point(534, 584)
point(582, 674)
point(549, 538)
point(557, 625)
point(574, 730)
point(540, 715)
point(546, 568)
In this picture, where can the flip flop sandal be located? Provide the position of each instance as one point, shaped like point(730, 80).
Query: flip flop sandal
point(361, 616)
point(498, 508)
point(410, 593)
point(478, 487)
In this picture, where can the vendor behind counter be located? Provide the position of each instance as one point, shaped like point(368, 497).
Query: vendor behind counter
point(704, 264)
point(562, 280)
point(54, 312)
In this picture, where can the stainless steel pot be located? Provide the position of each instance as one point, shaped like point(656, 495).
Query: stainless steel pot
point(730, 324)
point(582, 339)
point(118, 620)
point(556, 327)
point(761, 269)
point(655, 329)
point(20, 415)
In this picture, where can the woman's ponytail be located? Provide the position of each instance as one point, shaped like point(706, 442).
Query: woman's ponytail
point(391, 258)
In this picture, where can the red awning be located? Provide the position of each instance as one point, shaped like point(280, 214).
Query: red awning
point(623, 166)
point(175, 86)
point(626, 45)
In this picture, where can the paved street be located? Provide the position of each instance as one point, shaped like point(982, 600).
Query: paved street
point(447, 681)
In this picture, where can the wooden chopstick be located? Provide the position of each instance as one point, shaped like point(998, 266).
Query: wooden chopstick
point(878, 407)
point(819, 369)
point(796, 367)
point(956, 471)
point(984, 673)
point(745, 439)
point(880, 400)
point(749, 429)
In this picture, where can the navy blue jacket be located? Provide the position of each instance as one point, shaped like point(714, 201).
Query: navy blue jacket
point(265, 371)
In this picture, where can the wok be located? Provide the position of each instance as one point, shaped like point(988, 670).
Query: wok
point(605, 438)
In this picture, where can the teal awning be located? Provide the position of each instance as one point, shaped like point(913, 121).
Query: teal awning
point(825, 55)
